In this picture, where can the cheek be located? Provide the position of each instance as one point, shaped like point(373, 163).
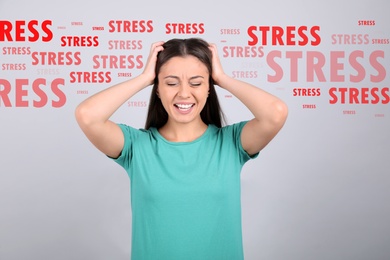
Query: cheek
point(165, 98)
point(163, 94)
point(203, 98)
point(206, 93)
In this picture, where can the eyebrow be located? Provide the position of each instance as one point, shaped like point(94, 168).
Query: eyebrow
point(176, 77)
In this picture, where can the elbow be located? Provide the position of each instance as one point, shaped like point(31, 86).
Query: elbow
point(82, 115)
point(280, 113)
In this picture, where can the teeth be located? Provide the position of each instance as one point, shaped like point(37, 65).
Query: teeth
point(184, 106)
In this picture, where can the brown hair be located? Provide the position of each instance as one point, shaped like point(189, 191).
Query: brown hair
point(211, 113)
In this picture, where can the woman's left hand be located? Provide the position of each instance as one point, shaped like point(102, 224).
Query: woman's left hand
point(218, 72)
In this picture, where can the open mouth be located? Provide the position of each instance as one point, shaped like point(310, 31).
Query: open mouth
point(184, 107)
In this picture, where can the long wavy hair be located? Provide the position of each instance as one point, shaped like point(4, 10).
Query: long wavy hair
point(211, 113)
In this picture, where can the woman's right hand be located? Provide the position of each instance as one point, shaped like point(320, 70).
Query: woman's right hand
point(149, 71)
point(93, 114)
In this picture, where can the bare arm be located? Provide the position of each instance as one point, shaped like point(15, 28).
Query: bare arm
point(93, 114)
point(270, 113)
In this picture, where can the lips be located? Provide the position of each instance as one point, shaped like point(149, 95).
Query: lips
point(184, 107)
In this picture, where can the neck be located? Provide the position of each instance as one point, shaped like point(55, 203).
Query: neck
point(187, 132)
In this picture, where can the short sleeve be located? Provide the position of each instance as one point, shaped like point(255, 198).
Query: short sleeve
point(130, 135)
point(235, 131)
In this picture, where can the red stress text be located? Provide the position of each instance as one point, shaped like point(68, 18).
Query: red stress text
point(315, 62)
point(289, 35)
point(373, 95)
point(80, 41)
point(184, 28)
point(90, 77)
point(125, 45)
point(25, 31)
point(350, 39)
point(242, 51)
point(16, 50)
point(366, 22)
point(126, 26)
point(56, 58)
point(117, 62)
point(36, 93)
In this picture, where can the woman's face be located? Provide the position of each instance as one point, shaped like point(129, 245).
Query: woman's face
point(183, 88)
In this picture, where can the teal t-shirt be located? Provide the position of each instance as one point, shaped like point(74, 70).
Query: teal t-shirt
point(185, 196)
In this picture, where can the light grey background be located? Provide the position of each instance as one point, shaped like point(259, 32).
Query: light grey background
point(319, 191)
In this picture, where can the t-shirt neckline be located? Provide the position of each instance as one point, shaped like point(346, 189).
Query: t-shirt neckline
point(200, 138)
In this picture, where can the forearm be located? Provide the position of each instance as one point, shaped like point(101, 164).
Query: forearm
point(101, 106)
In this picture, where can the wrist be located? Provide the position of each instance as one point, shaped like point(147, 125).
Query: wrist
point(145, 80)
point(222, 80)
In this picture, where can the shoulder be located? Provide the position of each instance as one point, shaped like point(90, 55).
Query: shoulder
point(229, 137)
point(134, 139)
point(132, 134)
point(228, 132)
point(233, 129)
point(126, 129)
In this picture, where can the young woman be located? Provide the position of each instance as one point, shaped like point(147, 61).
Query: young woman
point(184, 167)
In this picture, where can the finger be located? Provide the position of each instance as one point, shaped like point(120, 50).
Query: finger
point(155, 44)
point(212, 46)
point(156, 47)
point(214, 51)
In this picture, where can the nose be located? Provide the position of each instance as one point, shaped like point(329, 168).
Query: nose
point(184, 90)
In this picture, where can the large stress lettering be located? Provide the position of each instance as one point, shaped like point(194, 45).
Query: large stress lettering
point(16, 31)
point(315, 63)
point(277, 35)
point(38, 87)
